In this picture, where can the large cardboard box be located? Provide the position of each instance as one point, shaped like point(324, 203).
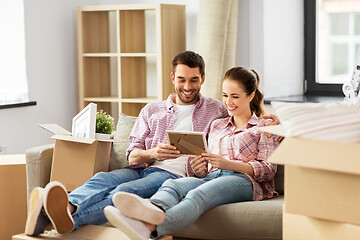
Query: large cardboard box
point(76, 160)
point(322, 178)
point(13, 195)
point(299, 227)
point(87, 232)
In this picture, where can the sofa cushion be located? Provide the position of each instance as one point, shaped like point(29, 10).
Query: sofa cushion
point(243, 220)
point(118, 152)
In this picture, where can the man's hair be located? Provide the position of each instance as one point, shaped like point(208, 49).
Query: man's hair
point(190, 59)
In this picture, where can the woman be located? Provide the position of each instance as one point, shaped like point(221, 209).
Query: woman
point(235, 170)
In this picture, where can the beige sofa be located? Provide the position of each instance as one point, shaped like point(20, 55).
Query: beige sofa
point(246, 220)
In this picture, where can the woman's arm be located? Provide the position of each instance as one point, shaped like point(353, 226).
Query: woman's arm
point(264, 170)
point(219, 162)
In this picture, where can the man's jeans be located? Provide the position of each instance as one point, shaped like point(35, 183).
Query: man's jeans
point(185, 200)
point(92, 197)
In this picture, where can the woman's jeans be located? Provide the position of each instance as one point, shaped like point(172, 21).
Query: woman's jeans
point(186, 199)
point(92, 197)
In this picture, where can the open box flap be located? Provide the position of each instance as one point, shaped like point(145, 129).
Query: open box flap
point(113, 140)
point(73, 139)
point(326, 155)
point(56, 129)
point(274, 129)
point(85, 140)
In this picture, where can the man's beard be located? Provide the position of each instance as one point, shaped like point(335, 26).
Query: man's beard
point(187, 101)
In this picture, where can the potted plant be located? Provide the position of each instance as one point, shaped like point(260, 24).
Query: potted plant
point(104, 125)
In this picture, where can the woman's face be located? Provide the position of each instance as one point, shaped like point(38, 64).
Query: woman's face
point(235, 98)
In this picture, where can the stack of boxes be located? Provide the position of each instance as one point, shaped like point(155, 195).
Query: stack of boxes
point(322, 188)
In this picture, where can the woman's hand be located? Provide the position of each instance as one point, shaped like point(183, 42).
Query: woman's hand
point(217, 161)
point(198, 165)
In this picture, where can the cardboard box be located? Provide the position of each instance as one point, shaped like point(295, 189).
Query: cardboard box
point(299, 227)
point(87, 232)
point(321, 178)
point(76, 160)
point(13, 195)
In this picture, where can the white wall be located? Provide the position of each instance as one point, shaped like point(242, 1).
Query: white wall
point(276, 45)
point(51, 58)
point(269, 40)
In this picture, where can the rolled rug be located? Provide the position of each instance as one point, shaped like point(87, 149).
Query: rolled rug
point(338, 121)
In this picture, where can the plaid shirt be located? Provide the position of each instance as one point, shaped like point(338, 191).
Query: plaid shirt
point(155, 118)
point(251, 146)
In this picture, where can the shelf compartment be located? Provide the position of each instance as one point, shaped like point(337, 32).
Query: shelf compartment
point(132, 109)
point(111, 108)
point(139, 78)
point(133, 77)
point(137, 28)
point(98, 29)
point(132, 31)
point(100, 76)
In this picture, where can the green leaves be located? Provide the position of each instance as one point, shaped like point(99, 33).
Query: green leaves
point(104, 123)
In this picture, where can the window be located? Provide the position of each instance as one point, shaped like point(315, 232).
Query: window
point(13, 83)
point(332, 39)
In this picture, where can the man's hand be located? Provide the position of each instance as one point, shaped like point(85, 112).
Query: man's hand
point(276, 121)
point(163, 152)
point(198, 165)
point(216, 161)
point(273, 117)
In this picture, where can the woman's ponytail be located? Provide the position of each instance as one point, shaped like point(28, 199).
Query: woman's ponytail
point(256, 104)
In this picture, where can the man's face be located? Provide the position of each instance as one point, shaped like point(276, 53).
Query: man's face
point(187, 83)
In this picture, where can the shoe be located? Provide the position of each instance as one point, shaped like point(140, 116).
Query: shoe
point(134, 229)
point(135, 207)
point(36, 220)
point(55, 199)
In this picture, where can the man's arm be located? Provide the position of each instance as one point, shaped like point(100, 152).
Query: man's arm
point(276, 121)
point(159, 153)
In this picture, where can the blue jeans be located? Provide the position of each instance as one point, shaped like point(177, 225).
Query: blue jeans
point(92, 197)
point(185, 200)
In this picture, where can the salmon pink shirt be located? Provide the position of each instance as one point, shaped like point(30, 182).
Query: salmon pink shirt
point(248, 145)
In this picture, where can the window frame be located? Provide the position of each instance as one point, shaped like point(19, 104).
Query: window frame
point(313, 88)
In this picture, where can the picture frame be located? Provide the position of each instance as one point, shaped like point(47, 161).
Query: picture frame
point(188, 143)
point(84, 123)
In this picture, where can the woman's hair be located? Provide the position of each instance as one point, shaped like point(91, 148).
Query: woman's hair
point(249, 80)
point(190, 59)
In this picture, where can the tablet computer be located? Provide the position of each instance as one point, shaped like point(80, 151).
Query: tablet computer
point(188, 143)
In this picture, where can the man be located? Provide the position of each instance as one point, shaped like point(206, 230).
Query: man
point(152, 160)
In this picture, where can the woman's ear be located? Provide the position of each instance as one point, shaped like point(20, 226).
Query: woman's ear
point(251, 96)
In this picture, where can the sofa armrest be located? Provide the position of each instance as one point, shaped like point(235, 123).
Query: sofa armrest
point(38, 166)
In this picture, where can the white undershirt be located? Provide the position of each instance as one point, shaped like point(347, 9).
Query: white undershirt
point(223, 150)
point(224, 147)
point(183, 122)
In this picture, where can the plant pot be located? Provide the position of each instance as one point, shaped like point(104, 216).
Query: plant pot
point(102, 136)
